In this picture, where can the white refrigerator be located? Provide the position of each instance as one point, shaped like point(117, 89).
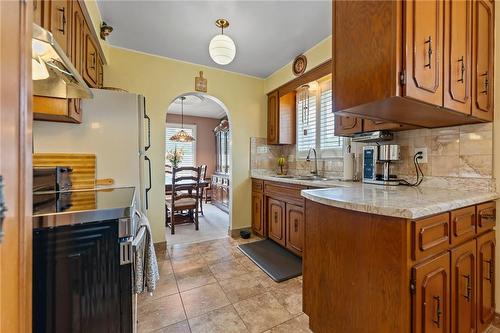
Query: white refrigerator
point(116, 129)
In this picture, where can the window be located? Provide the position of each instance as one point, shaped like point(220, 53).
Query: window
point(189, 148)
point(317, 130)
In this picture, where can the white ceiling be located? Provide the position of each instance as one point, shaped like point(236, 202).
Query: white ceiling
point(267, 34)
point(198, 106)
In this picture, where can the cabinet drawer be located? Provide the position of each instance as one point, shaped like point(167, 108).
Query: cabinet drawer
point(463, 224)
point(286, 192)
point(430, 236)
point(257, 185)
point(486, 216)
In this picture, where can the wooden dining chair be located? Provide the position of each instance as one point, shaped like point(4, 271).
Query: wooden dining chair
point(203, 169)
point(184, 197)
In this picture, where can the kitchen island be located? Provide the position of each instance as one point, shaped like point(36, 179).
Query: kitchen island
point(398, 259)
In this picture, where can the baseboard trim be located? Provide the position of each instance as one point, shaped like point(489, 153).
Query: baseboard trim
point(235, 233)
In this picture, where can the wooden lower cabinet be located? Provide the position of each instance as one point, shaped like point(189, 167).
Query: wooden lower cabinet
point(486, 280)
point(278, 213)
point(258, 214)
point(276, 220)
point(295, 228)
point(431, 309)
point(463, 287)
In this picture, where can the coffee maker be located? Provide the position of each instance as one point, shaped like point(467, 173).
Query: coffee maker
point(377, 164)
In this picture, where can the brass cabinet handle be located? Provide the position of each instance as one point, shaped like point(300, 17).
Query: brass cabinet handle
point(92, 63)
point(275, 217)
point(429, 52)
point(62, 13)
point(468, 287)
point(439, 312)
point(490, 270)
point(490, 217)
point(296, 225)
point(462, 69)
point(486, 83)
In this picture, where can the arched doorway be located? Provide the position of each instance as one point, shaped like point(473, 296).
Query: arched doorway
point(207, 120)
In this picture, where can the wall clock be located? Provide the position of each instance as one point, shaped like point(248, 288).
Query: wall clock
point(299, 65)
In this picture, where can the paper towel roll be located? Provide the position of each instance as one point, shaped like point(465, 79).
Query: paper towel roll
point(348, 166)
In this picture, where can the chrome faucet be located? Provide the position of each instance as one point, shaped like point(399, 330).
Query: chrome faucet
point(308, 159)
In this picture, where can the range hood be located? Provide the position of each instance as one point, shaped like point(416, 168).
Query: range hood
point(53, 73)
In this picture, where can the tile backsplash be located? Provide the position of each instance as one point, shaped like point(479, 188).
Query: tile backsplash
point(456, 155)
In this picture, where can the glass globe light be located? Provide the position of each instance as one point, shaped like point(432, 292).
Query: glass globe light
point(222, 49)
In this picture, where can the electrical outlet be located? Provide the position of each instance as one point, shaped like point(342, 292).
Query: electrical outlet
point(424, 155)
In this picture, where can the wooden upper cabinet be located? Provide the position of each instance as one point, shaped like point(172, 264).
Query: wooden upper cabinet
point(463, 288)
point(482, 59)
point(60, 22)
point(431, 309)
point(38, 12)
point(272, 118)
point(486, 280)
point(457, 55)
point(424, 58)
point(90, 74)
point(281, 115)
point(346, 126)
point(77, 36)
point(100, 73)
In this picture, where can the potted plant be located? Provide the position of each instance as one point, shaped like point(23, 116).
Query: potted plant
point(175, 157)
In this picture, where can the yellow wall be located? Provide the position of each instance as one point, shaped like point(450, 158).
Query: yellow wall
point(161, 80)
point(316, 55)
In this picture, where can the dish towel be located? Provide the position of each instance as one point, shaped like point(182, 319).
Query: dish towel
point(146, 265)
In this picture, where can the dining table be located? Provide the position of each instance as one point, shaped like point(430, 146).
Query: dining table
point(168, 183)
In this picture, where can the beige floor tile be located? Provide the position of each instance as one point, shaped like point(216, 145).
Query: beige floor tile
point(194, 278)
point(203, 299)
point(262, 312)
point(187, 263)
point(290, 296)
point(265, 280)
point(221, 320)
point(295, 325)
point(228, 269)
point(165, 267)
point(160, 313)
point(166, 286)
point(213, 256)
point(183, 250)
point(241, 287)
point(181, 327)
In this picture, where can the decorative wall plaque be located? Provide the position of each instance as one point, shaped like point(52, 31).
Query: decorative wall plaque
point(299, 65)
point(200, 83)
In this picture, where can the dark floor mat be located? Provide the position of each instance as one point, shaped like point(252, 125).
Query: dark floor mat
point(278, 263)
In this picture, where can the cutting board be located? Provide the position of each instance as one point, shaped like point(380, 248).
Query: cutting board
point(83, 165)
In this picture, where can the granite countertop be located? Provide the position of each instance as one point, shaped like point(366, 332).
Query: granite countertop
point(397, 201)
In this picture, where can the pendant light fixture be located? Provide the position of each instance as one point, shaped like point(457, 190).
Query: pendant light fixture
point(222, 49)
point(182, 135)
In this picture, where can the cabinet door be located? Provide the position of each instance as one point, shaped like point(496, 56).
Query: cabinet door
point(482, 59)
point(59, 22)
point(424, 47)
point(272, 118)
point(457, 55)
point(486, 280)
point(90, 60)
point(431, 311)
point(276, 220)
point(258, 213)
point(346, 126)
point(463, 288)
point(38, 12)
point(77, 36)
point(486, 216)
point(295, 229)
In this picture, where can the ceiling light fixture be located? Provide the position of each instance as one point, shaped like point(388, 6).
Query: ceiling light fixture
point(222, 49)
point(182, 135)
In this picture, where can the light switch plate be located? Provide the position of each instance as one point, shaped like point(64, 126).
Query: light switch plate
point(424, 155)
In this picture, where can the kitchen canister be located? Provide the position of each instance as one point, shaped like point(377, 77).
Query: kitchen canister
point(349, 162)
